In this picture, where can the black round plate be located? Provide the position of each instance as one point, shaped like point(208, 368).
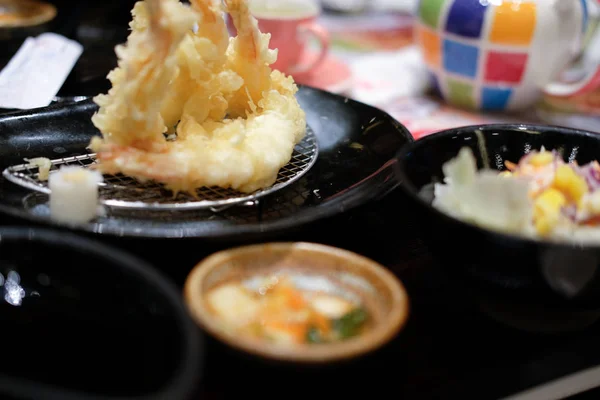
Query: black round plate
point(357, 148)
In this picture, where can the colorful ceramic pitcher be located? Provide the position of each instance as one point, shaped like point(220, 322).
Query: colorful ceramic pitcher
point(497, 55)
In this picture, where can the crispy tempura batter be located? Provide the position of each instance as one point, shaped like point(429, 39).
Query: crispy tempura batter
point(237, 121)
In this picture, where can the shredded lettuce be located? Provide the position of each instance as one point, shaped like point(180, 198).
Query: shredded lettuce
point(483, 197)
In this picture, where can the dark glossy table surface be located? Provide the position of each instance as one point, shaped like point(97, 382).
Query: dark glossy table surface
point(449, 349)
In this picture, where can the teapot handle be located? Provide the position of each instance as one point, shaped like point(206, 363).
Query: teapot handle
point(591, 76)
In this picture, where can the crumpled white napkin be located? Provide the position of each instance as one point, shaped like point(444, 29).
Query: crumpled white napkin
point(387, 5)
point(395, 5)
point(383, 77)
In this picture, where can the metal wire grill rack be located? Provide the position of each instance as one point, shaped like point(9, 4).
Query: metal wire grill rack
point(123, 192)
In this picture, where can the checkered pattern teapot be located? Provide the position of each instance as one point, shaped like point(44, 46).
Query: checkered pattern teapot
point(502, 55)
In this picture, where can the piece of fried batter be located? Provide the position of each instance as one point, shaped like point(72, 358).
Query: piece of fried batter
point(236, 120)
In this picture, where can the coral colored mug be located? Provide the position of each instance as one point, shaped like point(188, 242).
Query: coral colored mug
point(291, 23)
point(501, 55)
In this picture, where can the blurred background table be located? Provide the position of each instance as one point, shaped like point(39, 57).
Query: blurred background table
point(378, 46)
point(450, 349)
point(373, 40)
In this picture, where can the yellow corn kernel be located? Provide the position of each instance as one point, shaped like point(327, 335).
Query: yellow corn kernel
point(541, 159)
point(505, 174)
point(571, 184)
point(544, 225)
point(546, 211)
point(550, 200)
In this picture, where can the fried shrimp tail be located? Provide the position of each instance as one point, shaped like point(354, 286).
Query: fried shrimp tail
point(234, 119)
point(249, 56)
point(130, 113)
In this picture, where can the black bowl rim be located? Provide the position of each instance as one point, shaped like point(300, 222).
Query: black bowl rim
point(409, 188)
point(188, 373)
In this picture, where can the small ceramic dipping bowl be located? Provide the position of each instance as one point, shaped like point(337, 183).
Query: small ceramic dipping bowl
point(24, 17)
point(315, 271)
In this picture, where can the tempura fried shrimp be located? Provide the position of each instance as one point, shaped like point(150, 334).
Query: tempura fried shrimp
point(130, 114)
point(236, 120)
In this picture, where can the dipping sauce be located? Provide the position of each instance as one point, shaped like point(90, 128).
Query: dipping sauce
point(280, 312)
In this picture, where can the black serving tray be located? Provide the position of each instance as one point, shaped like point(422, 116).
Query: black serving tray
point(357, 145)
